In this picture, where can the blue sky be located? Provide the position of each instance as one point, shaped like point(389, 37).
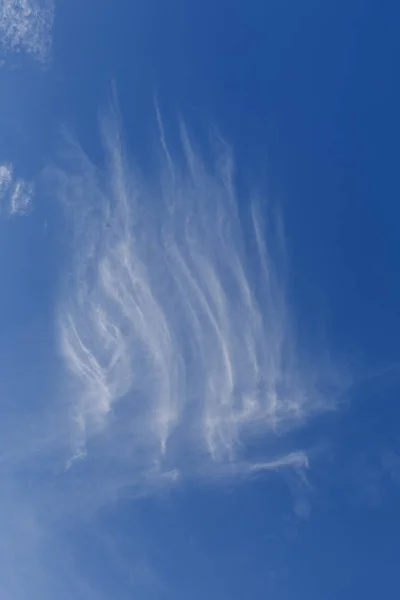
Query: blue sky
point(199, 310)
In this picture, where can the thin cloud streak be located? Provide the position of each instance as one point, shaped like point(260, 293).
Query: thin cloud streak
point(173, 321)
point(16, 195)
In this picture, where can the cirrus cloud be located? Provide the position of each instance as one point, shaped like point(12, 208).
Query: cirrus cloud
point(173, 321)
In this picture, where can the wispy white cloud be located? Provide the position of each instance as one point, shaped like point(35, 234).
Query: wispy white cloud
point(25, 25)
point(181, 362)
point(21, 198)
point(15, 194)
point(173, 319)
point(6, 176)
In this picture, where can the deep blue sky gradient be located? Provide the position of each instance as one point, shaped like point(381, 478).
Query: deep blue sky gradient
point(308, 95)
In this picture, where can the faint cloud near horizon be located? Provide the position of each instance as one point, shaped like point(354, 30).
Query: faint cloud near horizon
point(25, 26)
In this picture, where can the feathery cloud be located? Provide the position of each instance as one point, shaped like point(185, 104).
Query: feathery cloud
point(173, 320)
point(181, 362)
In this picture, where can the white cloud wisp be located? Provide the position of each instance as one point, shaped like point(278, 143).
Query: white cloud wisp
point(15, 194)
point(173, 320)
point(25, 25)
